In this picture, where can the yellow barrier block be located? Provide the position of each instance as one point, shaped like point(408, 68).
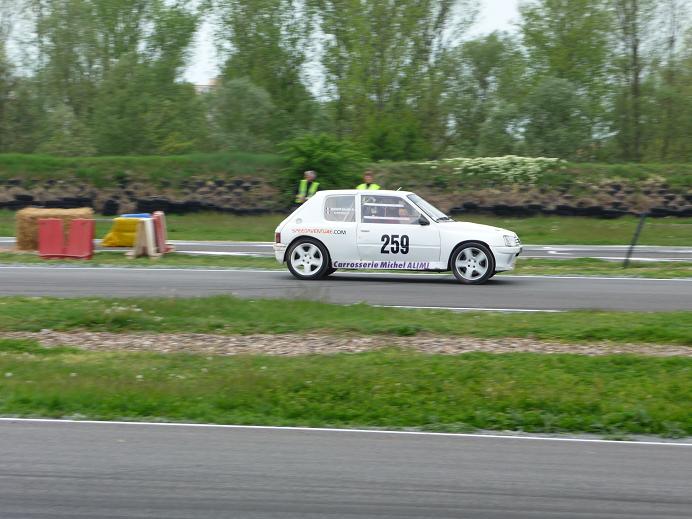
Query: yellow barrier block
point(122, 234)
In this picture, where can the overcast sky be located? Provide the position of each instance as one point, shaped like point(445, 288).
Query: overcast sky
point(494, 15)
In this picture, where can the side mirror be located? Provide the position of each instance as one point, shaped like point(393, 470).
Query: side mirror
point(423, 220)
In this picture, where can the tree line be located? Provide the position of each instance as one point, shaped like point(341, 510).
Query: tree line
point(589, 80)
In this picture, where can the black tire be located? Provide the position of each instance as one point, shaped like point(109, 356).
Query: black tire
point(330, 271)
point(309, 251)
point(472, 263)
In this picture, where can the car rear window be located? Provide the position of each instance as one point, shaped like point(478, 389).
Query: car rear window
point(340, 208)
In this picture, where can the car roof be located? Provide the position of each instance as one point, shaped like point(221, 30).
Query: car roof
point(356, 191)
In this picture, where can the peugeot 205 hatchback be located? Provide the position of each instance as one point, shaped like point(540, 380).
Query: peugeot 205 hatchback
point(389, 230)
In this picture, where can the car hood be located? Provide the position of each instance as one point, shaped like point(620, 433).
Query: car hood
point(470, 227)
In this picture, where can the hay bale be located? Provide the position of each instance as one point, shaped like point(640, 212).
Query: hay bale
point(26, 221)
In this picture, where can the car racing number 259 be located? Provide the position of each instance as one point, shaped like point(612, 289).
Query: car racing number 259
point(395, 244)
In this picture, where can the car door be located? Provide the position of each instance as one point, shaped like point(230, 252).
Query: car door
point(389, 230)
point(339, 214)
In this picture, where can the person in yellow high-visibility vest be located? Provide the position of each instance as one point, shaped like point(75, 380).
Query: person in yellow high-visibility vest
point(307, 187)
point(368, 181)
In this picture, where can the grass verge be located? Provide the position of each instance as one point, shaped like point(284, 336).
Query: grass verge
point(549, 230)
point(226, 314)
point(575, 267)
point(118, 259)
point(597, 267)
point(392, 389)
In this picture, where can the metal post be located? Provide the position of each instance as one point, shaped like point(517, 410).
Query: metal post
point(635, 239)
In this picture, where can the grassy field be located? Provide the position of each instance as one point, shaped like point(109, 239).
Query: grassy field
point(229, 315)
point(573, 267)
point(107, 171)
point(613, 395)
point(551, 230)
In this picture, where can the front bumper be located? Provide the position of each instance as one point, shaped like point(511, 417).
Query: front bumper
point(279, 252)
point(505, 257)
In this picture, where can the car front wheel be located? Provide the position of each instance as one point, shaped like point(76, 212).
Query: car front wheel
point(472, 263)
point(308, 259)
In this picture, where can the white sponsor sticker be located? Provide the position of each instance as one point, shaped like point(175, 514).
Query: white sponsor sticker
point(389, 265)
point(317, 230)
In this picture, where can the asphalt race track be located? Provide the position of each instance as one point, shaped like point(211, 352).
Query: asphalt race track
point(72, 470)
point(435, 290)
point(606, 252)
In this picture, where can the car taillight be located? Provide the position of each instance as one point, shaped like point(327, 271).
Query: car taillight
point(277, 237)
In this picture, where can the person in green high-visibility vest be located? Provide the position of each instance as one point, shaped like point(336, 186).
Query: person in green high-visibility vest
point(308, 186)
point(368, 181)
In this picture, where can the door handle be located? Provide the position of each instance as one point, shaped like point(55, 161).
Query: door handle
point(365, 230)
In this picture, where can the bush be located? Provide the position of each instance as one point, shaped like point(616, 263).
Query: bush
point(509, 169)
point(337, 162)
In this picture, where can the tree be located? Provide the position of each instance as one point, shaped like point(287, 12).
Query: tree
point(571, 40)
point(486, 77)
point(672, 105)
point(21, 119)
point(66, 135)
point(266, 42)
point(6, 88)
point(667, 110)
point(382, 60)
point(114, 65)
point(681, 145)
point(557, 120)
point(500, 132)
point(242, 116)
point(634, 19)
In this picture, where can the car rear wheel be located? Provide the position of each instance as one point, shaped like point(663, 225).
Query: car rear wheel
point(472, 263)
point(308, 259)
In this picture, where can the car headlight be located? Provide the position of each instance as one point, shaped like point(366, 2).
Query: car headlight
point(512, 240)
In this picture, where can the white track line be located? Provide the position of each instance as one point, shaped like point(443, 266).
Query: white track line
point(359, 431)
point(611, 258)
point(600, 278)
point(225, 253)
point(469, 309)
point(636, 258)
point(659, 248)
point(140, 269)
point(224, 243)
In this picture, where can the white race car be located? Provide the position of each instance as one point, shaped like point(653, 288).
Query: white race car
point(390, 230)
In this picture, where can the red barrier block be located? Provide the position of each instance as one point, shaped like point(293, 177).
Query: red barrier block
point(161, 232)
point(51, 240)
point(80, 243)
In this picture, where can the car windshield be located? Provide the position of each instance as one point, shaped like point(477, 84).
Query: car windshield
point(432, 211)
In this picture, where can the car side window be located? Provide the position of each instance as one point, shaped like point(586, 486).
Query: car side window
point(340, 208)
point(387, 209)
